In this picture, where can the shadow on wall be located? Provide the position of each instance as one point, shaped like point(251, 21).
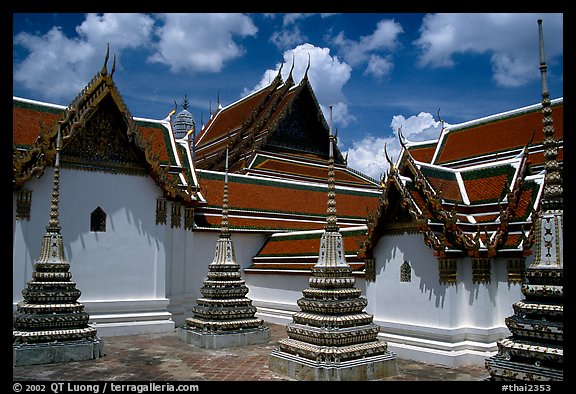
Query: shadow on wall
point(393, 250)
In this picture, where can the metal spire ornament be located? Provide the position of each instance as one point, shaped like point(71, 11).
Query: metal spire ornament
point(331, 338)
point(224, 316)
point(534, 351)
point(50, 325)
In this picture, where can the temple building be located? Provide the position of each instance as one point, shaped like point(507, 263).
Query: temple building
point(447, 233)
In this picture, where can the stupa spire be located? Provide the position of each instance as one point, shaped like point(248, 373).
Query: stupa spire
point(224, 316)
point(534, 351)
point(50, 325)
point(331, 338)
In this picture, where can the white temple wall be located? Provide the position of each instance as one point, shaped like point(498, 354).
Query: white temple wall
point(120, 272)
point(427, 321)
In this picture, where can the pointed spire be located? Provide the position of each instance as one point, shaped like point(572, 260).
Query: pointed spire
point(224, 230)
point(54, 222)
point(331, 220)
point(185, 103)
point(553, 190)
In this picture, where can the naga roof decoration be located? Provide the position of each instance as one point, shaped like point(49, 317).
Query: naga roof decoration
point(280, 117)
point(98, 120)
point(480, 210)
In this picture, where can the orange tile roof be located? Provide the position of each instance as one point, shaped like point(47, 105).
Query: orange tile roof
point(497, 134)
point(423, 152)
point(267, 198)
point(299, 251)
point(306, 170)
point(27, 117)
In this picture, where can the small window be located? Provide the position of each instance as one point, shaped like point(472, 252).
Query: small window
point(406, 272)
point(98, 220)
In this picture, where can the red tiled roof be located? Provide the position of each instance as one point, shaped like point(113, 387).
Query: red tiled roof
point(267, 199)
point(299, 251)
point(497, 135)
point(230, 118)
point(423, 153)
point(279, 166)
point(26, 120)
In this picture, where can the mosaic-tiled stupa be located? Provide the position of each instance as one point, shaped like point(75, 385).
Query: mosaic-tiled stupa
point(331, 338)
point(534, 351)
point(50, 325)
point(224, 316)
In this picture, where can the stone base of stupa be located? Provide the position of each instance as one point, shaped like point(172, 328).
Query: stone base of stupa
point(57, 352)
point(367, 368)
point(505, 370)
point(223, 339)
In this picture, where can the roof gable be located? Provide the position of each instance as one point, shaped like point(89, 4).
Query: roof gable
point(98, 132)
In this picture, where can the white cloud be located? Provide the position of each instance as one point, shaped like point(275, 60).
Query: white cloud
point(510, 39)
point(290, 35)
point(421, 127)
point(57, 67)
point(379, 66)
point(201, 42)
point(327, 75)
point(287, 38)
point(292, 18)
point(367, 49)
point(367, 155)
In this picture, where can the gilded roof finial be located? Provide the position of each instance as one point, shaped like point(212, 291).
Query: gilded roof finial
point(307, 68)
point(104, 71)
point(113, 66)
point(290, 78)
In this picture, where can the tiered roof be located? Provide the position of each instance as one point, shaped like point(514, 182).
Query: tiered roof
point(474, 192)
point(492, 138)
point(280, 117)
point(124, 144)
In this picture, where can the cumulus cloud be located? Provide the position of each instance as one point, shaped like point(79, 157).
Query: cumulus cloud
point(368, 49)
point(57, 67)
point(510, 39)
point(200, 42)
point(367, 155)
point(327, 75)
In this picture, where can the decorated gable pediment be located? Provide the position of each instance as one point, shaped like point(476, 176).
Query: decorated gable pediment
point(102, 143)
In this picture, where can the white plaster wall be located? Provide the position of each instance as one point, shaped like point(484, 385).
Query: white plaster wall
point(124, 265)
point(424, 316)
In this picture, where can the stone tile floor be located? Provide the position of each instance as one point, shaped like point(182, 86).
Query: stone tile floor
point(164, 357)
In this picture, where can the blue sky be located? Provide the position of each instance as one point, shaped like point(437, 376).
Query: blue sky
point(379, 71)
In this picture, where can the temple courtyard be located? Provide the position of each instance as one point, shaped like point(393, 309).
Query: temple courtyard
point(164, 357)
